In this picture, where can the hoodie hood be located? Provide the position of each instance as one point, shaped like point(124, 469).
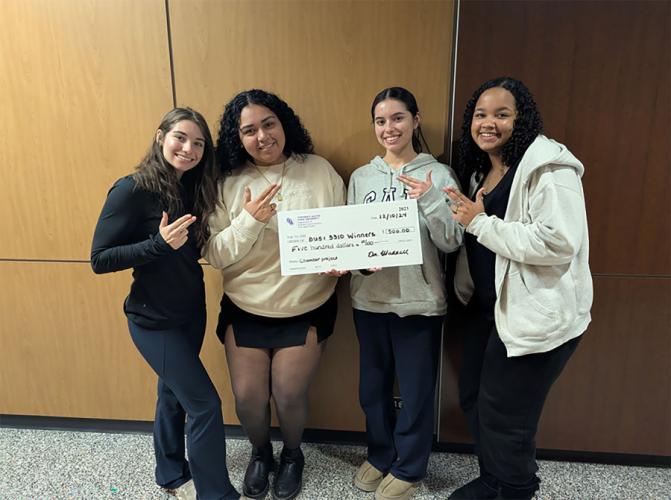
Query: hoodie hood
point(419, 161)
point(544, 151)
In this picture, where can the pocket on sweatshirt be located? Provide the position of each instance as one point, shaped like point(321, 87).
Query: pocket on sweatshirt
point(415, 285)
point(395, 285)
point(525, 315)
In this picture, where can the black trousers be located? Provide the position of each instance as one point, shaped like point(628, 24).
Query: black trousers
point(503, 399)
point(185, 389)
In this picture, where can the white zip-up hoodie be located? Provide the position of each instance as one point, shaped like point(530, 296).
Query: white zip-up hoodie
point(542, 278)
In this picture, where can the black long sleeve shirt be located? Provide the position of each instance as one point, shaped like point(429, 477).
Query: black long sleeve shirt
point(167, 288)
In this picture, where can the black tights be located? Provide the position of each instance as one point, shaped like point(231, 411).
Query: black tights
point(285, 373)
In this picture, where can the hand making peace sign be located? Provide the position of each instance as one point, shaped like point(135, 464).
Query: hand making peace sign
point(463, 209)
point(177, 233)
point(261, 208)
point(417, 187)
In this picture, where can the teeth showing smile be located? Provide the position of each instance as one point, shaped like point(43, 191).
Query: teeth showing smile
point(183, 158)
point(488, 136)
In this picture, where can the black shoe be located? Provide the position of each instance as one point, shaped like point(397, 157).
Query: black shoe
point(478, 489)
point(507, 492)
point(289, 478)
point(256, 482)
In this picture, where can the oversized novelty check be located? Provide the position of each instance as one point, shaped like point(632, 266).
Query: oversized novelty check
point(349, 237)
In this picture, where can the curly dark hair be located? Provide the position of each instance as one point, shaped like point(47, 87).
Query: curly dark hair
point(156, 175)
point(230, 152)
point(528, 124)
point(406, 97)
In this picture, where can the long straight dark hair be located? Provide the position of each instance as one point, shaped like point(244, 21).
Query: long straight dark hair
point(156, 175)
point(406, 97)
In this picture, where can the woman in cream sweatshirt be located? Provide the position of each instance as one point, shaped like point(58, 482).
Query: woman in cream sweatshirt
point(274, 327)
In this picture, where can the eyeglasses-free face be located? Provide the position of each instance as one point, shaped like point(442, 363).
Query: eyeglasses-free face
point(262, 135)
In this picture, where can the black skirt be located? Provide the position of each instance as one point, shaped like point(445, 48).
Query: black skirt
point(251, 330)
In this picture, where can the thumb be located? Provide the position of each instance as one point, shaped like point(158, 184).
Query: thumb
point(164, 220)
point(248, 194)
point(480, 194)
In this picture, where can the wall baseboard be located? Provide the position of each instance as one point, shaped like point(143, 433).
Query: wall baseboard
point(323, 436)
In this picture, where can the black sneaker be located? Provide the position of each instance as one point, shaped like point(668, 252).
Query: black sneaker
point(289, 478)
point(256, 484)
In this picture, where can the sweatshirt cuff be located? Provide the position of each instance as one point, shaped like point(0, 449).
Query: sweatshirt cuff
point(476, 223)
point(247, 224)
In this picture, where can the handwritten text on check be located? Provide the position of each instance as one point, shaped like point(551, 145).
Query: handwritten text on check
point(349, 237)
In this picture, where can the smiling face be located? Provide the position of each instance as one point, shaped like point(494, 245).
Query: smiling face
point(262, 135)
point(182, 146)
point(493, 120)
point(394, 126)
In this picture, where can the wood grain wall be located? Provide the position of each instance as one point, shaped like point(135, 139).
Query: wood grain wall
point(599, 71)
point(85, 84)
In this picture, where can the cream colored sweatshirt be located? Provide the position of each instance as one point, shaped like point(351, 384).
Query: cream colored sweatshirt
point(247, 251)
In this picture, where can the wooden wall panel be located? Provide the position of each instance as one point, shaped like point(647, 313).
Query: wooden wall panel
point(615, 393)
point(66, 350)
point(328, 60)
point(84, 83)
point(599, 71)
point(66, 347)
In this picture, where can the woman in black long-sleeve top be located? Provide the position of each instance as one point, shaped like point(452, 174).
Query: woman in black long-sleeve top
point(147, 224)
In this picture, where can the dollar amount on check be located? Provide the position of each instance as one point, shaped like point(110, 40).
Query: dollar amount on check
point(349, 237)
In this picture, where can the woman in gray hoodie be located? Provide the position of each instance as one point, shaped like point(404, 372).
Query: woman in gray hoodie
point(398, 311)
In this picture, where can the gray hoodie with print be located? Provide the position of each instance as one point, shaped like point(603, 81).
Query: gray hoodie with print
point(408, 290)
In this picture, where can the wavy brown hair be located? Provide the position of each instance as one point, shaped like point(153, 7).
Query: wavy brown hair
point(156, 175)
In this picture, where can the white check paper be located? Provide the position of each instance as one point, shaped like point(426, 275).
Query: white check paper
point(349, 237)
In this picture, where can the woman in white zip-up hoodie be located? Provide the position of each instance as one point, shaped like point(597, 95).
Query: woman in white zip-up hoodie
point(525, 276)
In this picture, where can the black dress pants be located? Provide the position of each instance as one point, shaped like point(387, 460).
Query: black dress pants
point(185, 389)
point(503, 399)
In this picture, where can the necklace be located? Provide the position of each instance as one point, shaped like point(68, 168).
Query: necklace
point(278, 196)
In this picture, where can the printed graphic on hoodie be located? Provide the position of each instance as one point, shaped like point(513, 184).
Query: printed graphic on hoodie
point(388, 194)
